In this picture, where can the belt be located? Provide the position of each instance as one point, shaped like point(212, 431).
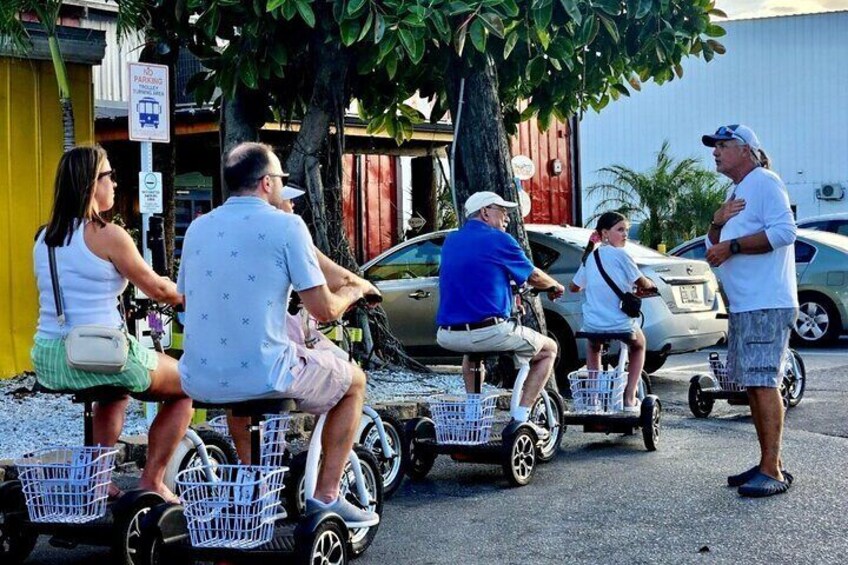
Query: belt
point(488, 322)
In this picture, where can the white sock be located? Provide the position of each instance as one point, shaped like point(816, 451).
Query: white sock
point(520, 414)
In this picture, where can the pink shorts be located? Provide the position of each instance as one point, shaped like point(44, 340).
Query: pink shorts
point(320, 376)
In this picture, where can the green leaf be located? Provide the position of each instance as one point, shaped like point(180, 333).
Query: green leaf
point(555, 64)
point(543, 37)
point(459, 39)
point(349, 30)
point(718, 13)
point(376, 125)
point(573, 10)
point(457, 8)
point(413, 45)
point(588, 30)
point(542, 15)
point(391, 62)
point(621, 89)
point(509, 8)
point(611, 28)
point(289, 9)
point(478, 36)
point(611, 7)
point(274, 4)
point(279, 54)
point(715, 31)
point(717, 47)
point(354, 6)
point(305, 11)
point(379, 27)
point(249, 74)
point(494, 24)
point(440, 21)
point(509, 44)
point(536, 70)
point(643, 10)
point(367, 27)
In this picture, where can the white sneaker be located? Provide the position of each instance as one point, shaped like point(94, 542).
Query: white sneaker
point(352, 516)
point(635, 409)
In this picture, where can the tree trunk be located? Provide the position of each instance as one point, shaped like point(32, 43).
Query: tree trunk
point(483, 157)
point(242, 116)
point(323, 211)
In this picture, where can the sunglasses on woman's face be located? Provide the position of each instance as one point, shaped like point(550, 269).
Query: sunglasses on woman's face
point(112, 174)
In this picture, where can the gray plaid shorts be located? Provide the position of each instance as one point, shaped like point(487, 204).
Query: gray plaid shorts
point(758, 342)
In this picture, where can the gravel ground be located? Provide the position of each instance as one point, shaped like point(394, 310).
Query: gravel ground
point(30, 421)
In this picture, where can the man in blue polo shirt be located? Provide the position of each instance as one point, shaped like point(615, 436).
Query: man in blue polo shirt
point(478, 263)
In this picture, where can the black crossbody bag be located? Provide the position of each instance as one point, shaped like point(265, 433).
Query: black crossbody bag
point(630, 303)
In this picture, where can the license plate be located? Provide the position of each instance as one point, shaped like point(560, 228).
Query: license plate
point(689, 294)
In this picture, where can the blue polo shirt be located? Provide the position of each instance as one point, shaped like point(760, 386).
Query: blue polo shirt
point(478, 263)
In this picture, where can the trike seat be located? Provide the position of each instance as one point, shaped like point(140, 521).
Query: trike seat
point(94, 394)
point(607, 337)
point(253, 407)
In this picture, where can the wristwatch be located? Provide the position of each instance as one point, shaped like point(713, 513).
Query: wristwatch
point(735, 247)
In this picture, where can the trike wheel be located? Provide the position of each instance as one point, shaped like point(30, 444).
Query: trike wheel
point(323, 546)
point(419, 461)
point(16, 542)
point(220, 450)
point(699, 404)
point(795, 379)
point(539, 416)
point(128, 527)
point(650, 421)
point(520, 457)
point(392, 470)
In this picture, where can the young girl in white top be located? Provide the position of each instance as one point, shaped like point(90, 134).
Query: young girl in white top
point(601, 309)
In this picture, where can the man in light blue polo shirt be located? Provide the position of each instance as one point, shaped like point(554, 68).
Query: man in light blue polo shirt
point(478, 263)
point(239, 265)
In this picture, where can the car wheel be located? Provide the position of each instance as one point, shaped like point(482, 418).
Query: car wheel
point(654, 361)
point(818, 321)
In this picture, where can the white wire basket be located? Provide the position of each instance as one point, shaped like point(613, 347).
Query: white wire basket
point(718, 367)
point(219, 425)
point(463, 420)
point(238, 510)
point(274, 443)
point(67, 484)
point(597, 392)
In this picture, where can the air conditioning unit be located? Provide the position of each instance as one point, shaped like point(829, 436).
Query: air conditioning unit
point(830, 191)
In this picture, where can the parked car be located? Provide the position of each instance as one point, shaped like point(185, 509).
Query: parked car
point(681, 319)
point(821, 266)
point(833, 223)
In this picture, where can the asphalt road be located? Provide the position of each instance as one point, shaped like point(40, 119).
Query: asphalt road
point(606, 500)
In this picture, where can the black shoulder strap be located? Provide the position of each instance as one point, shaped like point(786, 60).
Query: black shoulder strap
point(607, 278)
point(54, 279)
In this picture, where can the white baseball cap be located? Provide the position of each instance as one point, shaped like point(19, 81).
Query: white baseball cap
point(290, 192)
point(738, 132)
point(480, 200)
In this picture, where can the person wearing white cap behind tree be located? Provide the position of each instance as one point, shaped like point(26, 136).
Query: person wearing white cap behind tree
point(751, 239)
point(478, 263)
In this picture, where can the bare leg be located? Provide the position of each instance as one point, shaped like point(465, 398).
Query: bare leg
point(241, 435)
point(541, 367)
point(767, 412)
point(108, 421)
point(168, 428)
point(339, 430)
point(637, 363)
point(473, 374)
point(593, 355)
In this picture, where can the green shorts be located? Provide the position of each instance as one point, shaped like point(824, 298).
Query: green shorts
point(52, 370)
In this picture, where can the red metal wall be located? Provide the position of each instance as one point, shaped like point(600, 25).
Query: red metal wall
point(377, 177)
point(550, 194)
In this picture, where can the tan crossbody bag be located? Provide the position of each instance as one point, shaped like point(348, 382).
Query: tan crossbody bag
point(98, 349)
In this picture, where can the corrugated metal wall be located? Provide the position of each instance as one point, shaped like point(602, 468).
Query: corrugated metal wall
point(371, 220)
point(30, 147)
point(550, 193)
point(110, 78)
point(786, 77)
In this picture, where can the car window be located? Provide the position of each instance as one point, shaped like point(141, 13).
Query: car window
point(841, 228)
point(420, 259)
point(543, 256)
point(696, 251)
point(820, 226)
point(803, 252)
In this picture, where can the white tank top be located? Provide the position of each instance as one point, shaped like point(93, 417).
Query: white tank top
point(89, 286)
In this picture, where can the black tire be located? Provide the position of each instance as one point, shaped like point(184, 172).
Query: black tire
point(700, 405)
point(818, 322)
point(796, 383)
point(360, 539)
point(419, 462)
point(392, 470)
point(646, 383)
point(126, 549)
point(519, 457)
point(16, 542)
point(654, 361)
point(324, 545)
point(650, 420)
point(539, 416)
point(567, 359)
point(219, 448)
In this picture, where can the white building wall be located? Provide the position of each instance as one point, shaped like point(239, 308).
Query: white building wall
point(785, 77)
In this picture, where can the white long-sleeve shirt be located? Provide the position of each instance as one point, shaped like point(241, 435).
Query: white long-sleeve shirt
point(766, 280)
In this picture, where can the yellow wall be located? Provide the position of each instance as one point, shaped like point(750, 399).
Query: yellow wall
point(30, 148)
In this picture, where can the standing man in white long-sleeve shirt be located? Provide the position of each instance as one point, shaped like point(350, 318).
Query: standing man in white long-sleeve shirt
point(752, 238)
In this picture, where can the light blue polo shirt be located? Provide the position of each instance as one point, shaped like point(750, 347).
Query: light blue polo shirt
point(239, 264)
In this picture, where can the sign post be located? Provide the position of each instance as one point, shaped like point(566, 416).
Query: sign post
point(149, 122)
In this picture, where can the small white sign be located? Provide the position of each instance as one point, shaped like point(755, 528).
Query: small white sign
point(523, 167)
point(150, 193)
point(149, 119)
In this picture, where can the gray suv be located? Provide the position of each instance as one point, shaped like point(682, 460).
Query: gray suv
point(681, 319)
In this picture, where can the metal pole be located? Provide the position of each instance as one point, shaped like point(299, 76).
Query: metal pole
point(459, 215)
point(146, 167)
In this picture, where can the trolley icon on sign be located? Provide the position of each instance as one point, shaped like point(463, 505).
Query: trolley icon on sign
point(148, 112)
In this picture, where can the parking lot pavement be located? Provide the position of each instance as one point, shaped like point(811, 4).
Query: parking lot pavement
point(605, 500)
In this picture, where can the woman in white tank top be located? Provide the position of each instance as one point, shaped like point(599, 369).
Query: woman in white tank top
point(95, 258)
